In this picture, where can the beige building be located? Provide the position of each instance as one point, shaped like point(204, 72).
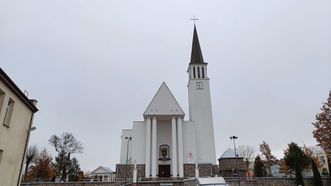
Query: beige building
point(16, 115)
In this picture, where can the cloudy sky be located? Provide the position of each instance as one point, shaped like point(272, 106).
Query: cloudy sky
point(95, 65)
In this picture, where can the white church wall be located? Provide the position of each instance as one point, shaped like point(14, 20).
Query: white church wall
point(138, 144)
point(201, 115)
point(189, 143)
point(126, 133)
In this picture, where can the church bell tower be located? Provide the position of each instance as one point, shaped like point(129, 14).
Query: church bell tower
point(200, 108)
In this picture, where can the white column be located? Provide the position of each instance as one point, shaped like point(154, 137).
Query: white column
point(180, 146)
point(196, 170)
point(174, 146)
point(154, 131)
point(148, 147)
point(134, 179)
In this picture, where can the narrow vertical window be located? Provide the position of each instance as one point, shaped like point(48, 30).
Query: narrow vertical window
point(193, 72)
point(2, 98)
point(9, 112)
point(198, 72)
point(203, 72)
point(1, 152)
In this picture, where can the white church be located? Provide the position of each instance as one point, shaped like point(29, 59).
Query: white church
point(166, 145)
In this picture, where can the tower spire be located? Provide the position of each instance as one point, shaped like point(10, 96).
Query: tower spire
point(196, 55)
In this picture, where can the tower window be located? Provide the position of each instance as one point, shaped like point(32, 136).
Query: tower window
point(198, 72)
point(203, 72)
point(9, 112)
point(193, 72)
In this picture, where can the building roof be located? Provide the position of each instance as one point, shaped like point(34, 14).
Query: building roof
point(13, 87)
point(102, 170)
point(229, 153)
point(196, 54)
point(164, 103)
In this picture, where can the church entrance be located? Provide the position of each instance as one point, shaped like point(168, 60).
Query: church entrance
point(164, 170)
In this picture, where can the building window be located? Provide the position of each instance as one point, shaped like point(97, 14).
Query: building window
point(322, 160)
point(203, 72)
point(193, 72)
point(2, 98)
point(164, 153)
point(9, 112)
point(1, 152)
point(198, 72)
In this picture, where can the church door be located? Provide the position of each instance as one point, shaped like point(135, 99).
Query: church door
point(164, 170)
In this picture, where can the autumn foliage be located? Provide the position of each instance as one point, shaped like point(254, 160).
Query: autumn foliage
point(269, 159)
point(322, 132)
point(43, 169)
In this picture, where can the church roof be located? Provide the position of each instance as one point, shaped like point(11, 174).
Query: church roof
point(164, 103)
point(196, 54)
point(229, 153)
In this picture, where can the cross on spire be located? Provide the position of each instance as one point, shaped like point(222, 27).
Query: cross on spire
point(194, 19)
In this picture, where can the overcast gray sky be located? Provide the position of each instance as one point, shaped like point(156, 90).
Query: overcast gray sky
point(94, 66)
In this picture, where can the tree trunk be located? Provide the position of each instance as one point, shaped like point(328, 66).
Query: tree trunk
point(329, 163)
point(26, 171)
point(298, 177)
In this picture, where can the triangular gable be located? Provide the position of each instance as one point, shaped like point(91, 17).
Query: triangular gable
point(102, 170)
point(164, 103)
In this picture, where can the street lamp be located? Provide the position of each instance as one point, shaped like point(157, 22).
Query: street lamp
point(233, 138)
point(127, 156)
point(234, 144)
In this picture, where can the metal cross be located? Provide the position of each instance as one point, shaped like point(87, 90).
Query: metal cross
point(194, 19)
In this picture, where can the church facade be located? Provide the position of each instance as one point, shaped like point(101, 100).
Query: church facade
point(166, 145)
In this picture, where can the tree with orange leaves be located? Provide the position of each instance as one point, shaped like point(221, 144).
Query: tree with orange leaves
point(322, 132)
point(43, 170)
point(269, 159)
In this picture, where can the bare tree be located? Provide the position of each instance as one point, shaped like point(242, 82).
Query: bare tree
point(65, 145)
point(248, 152)
point(31, 155)
point(312, 152)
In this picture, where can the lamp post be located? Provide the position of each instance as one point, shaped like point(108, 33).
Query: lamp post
point(127, 156)
point(233, 138)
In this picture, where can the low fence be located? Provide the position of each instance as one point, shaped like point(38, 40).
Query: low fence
point(121, 182)
point(232, 181)
point(271, 181)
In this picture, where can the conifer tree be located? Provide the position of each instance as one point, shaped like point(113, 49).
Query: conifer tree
point(296, 159)
point(259, 170)
point(317, 176)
